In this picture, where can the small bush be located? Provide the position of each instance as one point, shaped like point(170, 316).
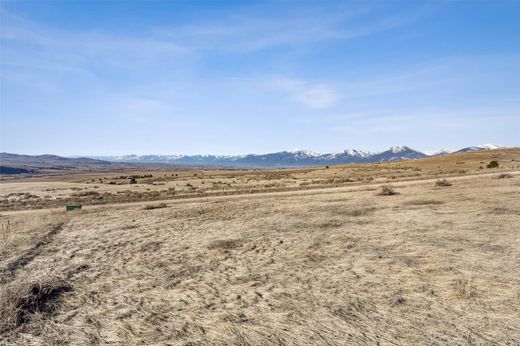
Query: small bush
point(442, 182)
point(492, 164)
point(133, 181)
point(387, 190)
point(155, 206)
point(225, 244)
point(505, 176)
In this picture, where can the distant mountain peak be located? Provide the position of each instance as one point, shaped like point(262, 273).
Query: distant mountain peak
point(490, 146)
point(50, 159)
point(446, 151)
point(359, 153)
point(440, 152)
point(302, 152)
point(480, 148)
point(398, 149)
point(295, 157)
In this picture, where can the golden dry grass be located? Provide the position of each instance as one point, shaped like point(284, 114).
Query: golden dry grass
point(106, 188)
point(431, 265)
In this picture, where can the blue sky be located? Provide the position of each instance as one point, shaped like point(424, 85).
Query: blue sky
point(161, 77)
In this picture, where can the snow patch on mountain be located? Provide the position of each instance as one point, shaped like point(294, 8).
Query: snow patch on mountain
point(398, 149)
point(480, 148)
point(295, 157)
point(440, 152)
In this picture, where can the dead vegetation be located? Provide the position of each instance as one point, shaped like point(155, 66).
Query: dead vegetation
point(225, 244)
point(464, 288)
point(155, 206)
point(108, 188)
point(387, 190)
point(6, 231)
point(363, 211)
point(21, 300)
point(325, 267)
point(442, 183)
point(423, 202)
point(25, 257)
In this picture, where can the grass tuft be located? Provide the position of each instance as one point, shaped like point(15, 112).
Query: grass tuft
point(442, 183)
point(464, 288)
point(19, 301)
point(155, 206)
point(387, 190)
point(225, 244)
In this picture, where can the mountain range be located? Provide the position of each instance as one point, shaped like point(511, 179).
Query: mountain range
point(292, 158)
point(49, 160)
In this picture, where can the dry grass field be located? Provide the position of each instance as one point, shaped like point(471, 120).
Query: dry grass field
point(42, 191)
point(329, 262)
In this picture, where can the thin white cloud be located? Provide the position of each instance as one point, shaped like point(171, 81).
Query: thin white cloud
point(239, 32)
point(29, 45)
point(434, 119)
point(312, 95)
point(250, 32)
point(18, 30)
point(318, 96)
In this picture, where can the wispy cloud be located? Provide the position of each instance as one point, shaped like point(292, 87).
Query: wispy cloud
point(249, 32)
point(53, 57)
point(169, 76)
point(312, 95)
point(28, 45)
point(458, 126)
point(239, 32)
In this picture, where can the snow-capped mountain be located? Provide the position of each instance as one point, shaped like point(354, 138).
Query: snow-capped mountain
point(292, 158)
point(446, 151)
point(398, 153)
point(479, 148)
point(440, 152)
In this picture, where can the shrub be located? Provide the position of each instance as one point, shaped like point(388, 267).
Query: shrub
point(442, 182)
point(225, 244)
point(155, 206)
point(133, 181)
point(504, 176)
point(492, 164)
point(387, 190)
